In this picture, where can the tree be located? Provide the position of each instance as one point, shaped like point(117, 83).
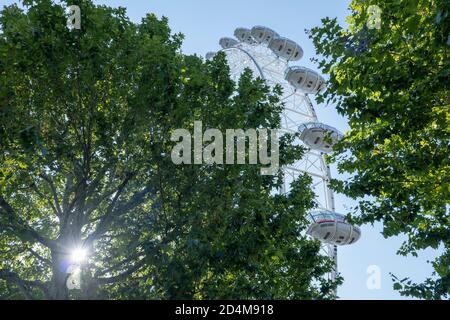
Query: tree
point(86, 118)
point(393, 85)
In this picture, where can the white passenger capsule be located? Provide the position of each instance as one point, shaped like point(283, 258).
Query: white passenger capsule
point(286, 48)
point(226, 42)
point(210, 55)
point(319, 136)
point(263, 34)
point(331, 227)
point(244, 35)
point(305, 80)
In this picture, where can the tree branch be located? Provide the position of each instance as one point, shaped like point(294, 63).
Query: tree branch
point(54, 193)
point(23, 285)
point(106, 220)
point(67, 190)
point(109, 217)
point(22, 226)
point(40, 194)
point(120, 264)
point(39, 257)
point(123, 275)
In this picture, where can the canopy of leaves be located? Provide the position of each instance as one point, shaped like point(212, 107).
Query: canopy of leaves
point(392, 84)
point(85, 123)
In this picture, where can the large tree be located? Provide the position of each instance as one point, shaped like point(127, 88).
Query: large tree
point(389, 75)
point(86, 118)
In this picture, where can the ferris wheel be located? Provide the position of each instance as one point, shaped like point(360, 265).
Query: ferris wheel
point(269, 55)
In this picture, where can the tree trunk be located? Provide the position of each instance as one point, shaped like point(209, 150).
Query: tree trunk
point(58, 288)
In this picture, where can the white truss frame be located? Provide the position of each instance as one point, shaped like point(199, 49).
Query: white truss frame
point(298, 109)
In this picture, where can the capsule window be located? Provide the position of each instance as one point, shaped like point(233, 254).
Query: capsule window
point(296, 54)
point(323, 225)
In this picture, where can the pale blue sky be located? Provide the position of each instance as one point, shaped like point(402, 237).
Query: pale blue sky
point(203, 22)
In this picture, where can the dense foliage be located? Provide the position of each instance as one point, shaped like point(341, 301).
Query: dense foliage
point(392, 83)
point(85, 123)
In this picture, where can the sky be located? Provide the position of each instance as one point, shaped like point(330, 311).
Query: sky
point(204, 22)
